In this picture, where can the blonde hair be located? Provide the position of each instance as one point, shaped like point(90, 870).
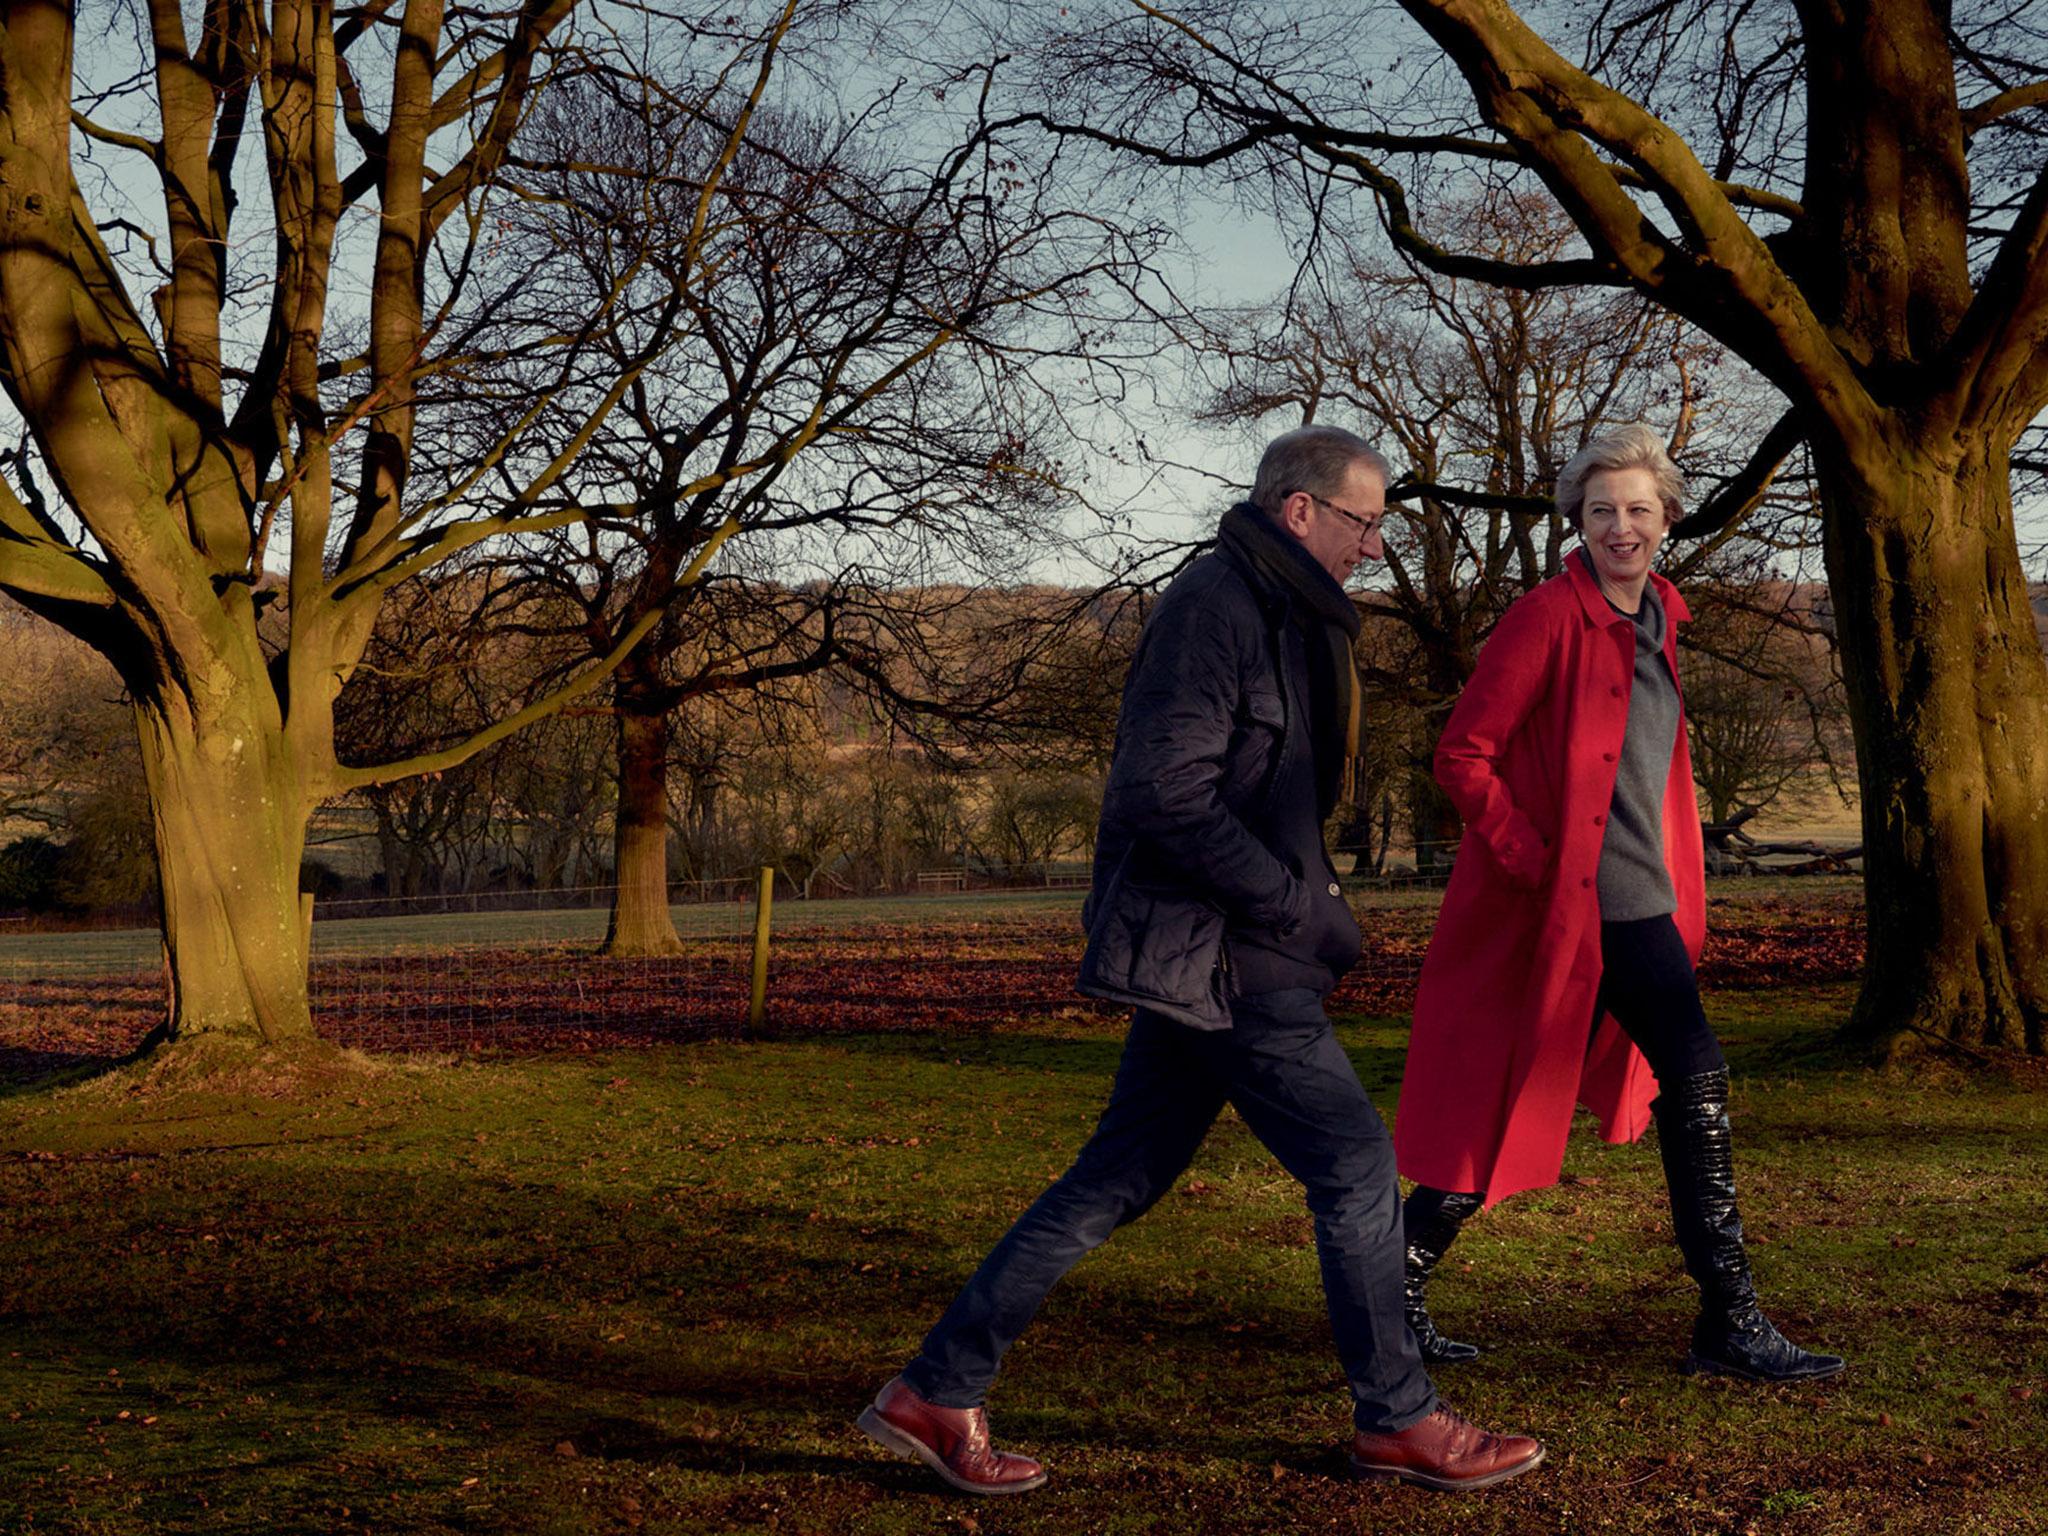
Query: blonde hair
point(1634, 446)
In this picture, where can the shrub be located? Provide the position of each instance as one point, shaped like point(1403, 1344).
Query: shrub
point(28, 874)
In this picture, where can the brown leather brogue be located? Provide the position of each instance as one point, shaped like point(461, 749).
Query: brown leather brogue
point(1444, 1451)
point(953, 1442)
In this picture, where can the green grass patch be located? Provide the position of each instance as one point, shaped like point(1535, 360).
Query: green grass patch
point(650, 1290)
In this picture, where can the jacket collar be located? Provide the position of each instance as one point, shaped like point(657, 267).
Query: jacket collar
point(1273, 599)
point(1578, 566)
point(1266, 595)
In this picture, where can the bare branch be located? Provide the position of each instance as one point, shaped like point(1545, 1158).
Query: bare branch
point(150, 149)
point(1976, 119)
point(34, 560)
point(1740, 494)
point(347, 778)
point(1458, 496)
point(1996, 365)
point(1728, 283)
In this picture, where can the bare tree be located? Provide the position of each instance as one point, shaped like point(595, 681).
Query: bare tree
point(795, 805)
point(1763, 698)
point(710, 738)
point(1027, 820)
point(69, 768)
point(1480, 394)
point(242, 414)
point(431, 678)
point(62, 721)
point(262, 417)
point(1853, 200)
point(843, 438)
point(551, 802)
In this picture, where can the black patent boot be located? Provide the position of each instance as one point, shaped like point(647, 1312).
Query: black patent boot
point(1430, 1220)
point(1732, 1337)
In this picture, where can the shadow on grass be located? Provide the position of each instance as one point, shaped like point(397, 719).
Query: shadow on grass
point(24, 1072)
point(1092, 1055)
point(695, 1266)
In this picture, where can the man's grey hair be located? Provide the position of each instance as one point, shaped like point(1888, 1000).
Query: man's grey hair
point(1314, 459)
point(1634, 446)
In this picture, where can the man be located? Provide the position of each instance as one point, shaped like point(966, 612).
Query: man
point(1215, 912)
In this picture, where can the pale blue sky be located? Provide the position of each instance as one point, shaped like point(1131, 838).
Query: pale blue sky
point(1232, 257)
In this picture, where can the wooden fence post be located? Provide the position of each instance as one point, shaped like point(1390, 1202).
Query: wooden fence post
point(764, 906)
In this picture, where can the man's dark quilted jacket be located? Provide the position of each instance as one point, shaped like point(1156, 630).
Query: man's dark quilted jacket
point(1210, 842)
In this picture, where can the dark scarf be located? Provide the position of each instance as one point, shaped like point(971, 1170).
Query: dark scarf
point(1325, 610)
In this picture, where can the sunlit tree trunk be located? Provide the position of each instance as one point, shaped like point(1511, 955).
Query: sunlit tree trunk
point(1946, 682)
point(143, 521)
point(230, 835)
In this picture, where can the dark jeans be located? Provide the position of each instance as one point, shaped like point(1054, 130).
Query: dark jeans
point(1295, 1088)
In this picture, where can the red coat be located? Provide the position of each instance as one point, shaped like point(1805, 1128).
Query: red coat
point(1499, 1053)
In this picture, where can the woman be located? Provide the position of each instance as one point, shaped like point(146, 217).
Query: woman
point(1578, 903)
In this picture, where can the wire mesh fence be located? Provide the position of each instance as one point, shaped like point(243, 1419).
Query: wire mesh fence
point(433, 973)
point(524, 979)
point(69, 997)
point(434, 977)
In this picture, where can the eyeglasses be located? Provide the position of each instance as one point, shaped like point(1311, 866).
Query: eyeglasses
point(1366, 525)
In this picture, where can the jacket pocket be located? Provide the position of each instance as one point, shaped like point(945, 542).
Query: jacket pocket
point(1265, 706)
point(1258, 736)
point(1103, 891)
point(1340, 942)
point(1523, 853)
point(1154, 945)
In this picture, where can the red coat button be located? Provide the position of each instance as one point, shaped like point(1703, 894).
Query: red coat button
point(1600, 820)
point(1585, 883)
point(1615, 691)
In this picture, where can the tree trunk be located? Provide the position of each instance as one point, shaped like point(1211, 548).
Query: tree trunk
point(1948, 696)
point(230, 835)
point(1434, 826)
point(388, 847)
point(640, 920)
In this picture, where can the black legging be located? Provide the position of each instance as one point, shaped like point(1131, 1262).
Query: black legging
point(1647, 983)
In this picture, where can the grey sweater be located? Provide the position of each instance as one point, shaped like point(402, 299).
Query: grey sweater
point(1633, 881)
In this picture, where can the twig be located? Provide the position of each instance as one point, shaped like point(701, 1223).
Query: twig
point(1955, 1045)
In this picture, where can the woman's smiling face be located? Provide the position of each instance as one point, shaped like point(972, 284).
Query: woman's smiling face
point(1622, 521)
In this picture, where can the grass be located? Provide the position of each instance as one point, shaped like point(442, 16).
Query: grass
point(650, 1290)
